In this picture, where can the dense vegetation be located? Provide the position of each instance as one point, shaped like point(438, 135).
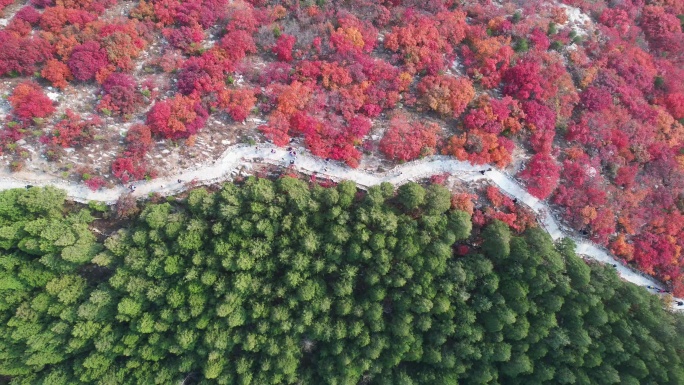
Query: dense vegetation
point(282, 283)
point(593, 94)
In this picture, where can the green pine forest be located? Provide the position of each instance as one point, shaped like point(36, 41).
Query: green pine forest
point(280, 282)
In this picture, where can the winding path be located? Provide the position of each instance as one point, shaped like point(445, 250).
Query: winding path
point(238, 156)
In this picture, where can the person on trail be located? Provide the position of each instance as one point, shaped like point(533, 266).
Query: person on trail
point(292, 162)
point(515, 200)
point(180, 181)
point(680, 303)
point(482, 172)
point(273, 151)
point(489, 169)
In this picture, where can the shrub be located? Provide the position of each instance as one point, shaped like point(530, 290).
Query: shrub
point(406, 140)
point(178, 117)
point(28, 14)
point(120, 94)
point(237, 103)
point(29, 102)
point(22, 56)
point(56, 73)
point(284, 46)
point(446, 95)
point(138, 140)
point(73, 130)
point(86, 60)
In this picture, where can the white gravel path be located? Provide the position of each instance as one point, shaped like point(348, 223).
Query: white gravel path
point(242, 155)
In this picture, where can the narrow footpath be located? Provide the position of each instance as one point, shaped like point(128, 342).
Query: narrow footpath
point(238, 156)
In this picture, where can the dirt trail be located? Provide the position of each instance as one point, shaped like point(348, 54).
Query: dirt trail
point(241, 155)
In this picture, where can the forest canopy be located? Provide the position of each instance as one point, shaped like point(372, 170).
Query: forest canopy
point(280, 282)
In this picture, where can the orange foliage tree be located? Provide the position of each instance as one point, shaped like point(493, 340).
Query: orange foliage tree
point(178, 117)
point(56, 73)
point(405, 140)
point(445, 94)
point(29, 102)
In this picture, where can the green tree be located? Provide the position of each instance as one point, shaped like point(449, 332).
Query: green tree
point(411, 195)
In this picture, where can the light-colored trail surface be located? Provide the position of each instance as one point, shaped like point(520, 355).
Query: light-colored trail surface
point(241, 155)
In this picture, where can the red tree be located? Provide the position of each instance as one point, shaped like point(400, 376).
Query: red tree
point(178, 117)
point(541, 175)
point(445, 94)
point(284, 46)
point(127, 168)
point(28, 14)
point(73, 130)
point(56, 73)
point(138, 140)
point(237, 45)
point(406, 140)
point(87, 59)
point(28, 102)
point(675, 104)
point(120, 94)
point(523, 80)
point(22, 55)
point(237, 103)
point(659, 26)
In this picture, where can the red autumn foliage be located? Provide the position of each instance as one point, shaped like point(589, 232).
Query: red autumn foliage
point(277, 129)
point(675, 104)
point(487, 58)
point(186, 39)
point(542, 121)
point(237, 45)
point(480, 147)
point(660, 27)
point(494, 115)
point(56, 73)
point(241, 16)
point(86, 60)
point(523, 81)
point(238, 103)
point(29, 102)
point(120, 95)
point(138, 140)
point(446, 95)
point(73, 130)
point(426, 43)
point(405, 140)
point(22, 55)
point(95, 183)
point(596, 99)
point(177, 117)
point(501, 207)
point(283, 47)
point(126, 168)
point(204, 73)
point(353, 36)
point(541, 175)
point(28, 14)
